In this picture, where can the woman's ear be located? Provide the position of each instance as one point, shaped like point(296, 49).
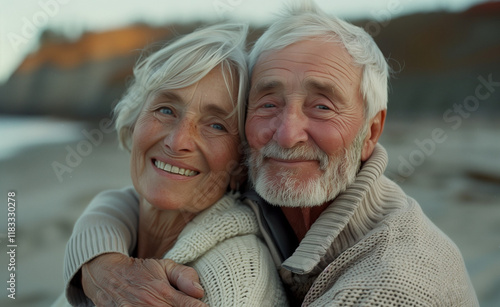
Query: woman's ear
point(375, 128)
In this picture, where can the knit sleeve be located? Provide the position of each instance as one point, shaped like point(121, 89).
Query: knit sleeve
point(108, 224)
point(385, 297)
point(240, 272)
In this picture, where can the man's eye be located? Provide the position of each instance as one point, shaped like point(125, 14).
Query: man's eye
point(268, 105)
point(218, 127)
point(322, 107)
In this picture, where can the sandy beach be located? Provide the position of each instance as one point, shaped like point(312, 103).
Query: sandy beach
point(453, 173)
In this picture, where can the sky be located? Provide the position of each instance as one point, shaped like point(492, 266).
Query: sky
point(22, 22)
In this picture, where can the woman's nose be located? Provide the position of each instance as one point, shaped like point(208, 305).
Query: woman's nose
point(181, 137)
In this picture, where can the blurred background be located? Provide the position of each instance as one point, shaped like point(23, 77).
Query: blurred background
point(64, 64)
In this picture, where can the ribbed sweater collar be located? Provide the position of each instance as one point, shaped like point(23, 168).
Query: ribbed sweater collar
point(346, 220)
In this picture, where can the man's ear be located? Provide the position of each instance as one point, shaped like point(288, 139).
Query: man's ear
point(375, 128)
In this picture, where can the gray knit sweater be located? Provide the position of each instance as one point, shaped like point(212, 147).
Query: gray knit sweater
point(373, 246)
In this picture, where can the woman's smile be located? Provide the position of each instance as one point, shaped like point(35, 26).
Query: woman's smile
point(169, 168)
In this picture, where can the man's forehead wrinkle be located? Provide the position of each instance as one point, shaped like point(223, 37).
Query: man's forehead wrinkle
point(339, 70)
point(269, 64)
point(341, 54)
point(336, 62)
point(339, 60)
point(332, 69)
point(333, 73)
point(343, 65)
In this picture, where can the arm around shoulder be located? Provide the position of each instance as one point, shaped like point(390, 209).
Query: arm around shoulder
point(109, 224)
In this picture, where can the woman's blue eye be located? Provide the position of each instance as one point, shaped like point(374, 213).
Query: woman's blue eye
point(269, 105)
point(218, 127)
point(166, 111)
point(322, 107)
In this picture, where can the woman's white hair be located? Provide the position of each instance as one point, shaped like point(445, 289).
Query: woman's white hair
point(303, 21)
point(182, 63)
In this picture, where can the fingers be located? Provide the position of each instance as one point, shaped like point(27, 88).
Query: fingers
point(159, 291)
point(184, 278)
point(118, 280)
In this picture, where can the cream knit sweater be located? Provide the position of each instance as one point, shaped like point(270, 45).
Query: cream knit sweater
point(234, 265)
point(373, 246)
point(222, 244)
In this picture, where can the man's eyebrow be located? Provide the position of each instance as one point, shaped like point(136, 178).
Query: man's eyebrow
point(266, 85)
point(323, 87)
point(327, 88)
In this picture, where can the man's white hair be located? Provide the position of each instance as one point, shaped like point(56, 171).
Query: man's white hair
point(304, 20)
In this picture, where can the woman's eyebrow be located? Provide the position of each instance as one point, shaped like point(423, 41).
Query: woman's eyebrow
point(207, 107)
point(168, 95)
point(216, 109)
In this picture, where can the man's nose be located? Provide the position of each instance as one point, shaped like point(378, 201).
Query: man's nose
point(291, 127)
point(181, 136)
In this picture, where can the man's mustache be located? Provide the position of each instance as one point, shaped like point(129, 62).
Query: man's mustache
point(299, 152)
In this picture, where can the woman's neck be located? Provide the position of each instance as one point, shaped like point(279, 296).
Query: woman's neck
point(159, 229)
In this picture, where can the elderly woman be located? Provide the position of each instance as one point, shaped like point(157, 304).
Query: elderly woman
point(182, 121)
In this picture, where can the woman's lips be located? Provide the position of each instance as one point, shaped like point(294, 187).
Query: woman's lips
point(174, 169)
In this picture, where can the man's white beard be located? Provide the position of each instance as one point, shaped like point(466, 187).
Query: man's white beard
point(339, 171)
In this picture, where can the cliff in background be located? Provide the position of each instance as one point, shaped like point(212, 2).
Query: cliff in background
point(81, 79)
point(439, 60)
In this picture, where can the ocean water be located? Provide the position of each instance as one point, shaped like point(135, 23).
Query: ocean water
point(23, 132)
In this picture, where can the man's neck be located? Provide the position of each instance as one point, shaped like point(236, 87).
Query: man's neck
point(301, 219)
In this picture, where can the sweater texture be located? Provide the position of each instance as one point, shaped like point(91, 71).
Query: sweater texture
point(221, 243)
point(234, 264)
point(373, 246)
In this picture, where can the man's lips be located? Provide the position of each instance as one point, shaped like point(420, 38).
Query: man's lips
point(292, 162)
point(174, 169)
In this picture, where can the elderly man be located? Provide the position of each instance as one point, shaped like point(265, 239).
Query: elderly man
point(341, 233)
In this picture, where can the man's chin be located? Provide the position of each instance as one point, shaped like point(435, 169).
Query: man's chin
point(292, 204)
point(292, 195)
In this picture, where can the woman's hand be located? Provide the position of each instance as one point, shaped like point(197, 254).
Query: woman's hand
point(117, 280)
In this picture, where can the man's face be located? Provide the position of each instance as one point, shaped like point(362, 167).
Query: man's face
point(304, 122)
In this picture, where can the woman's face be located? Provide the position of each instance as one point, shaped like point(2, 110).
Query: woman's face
point(185, 145)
